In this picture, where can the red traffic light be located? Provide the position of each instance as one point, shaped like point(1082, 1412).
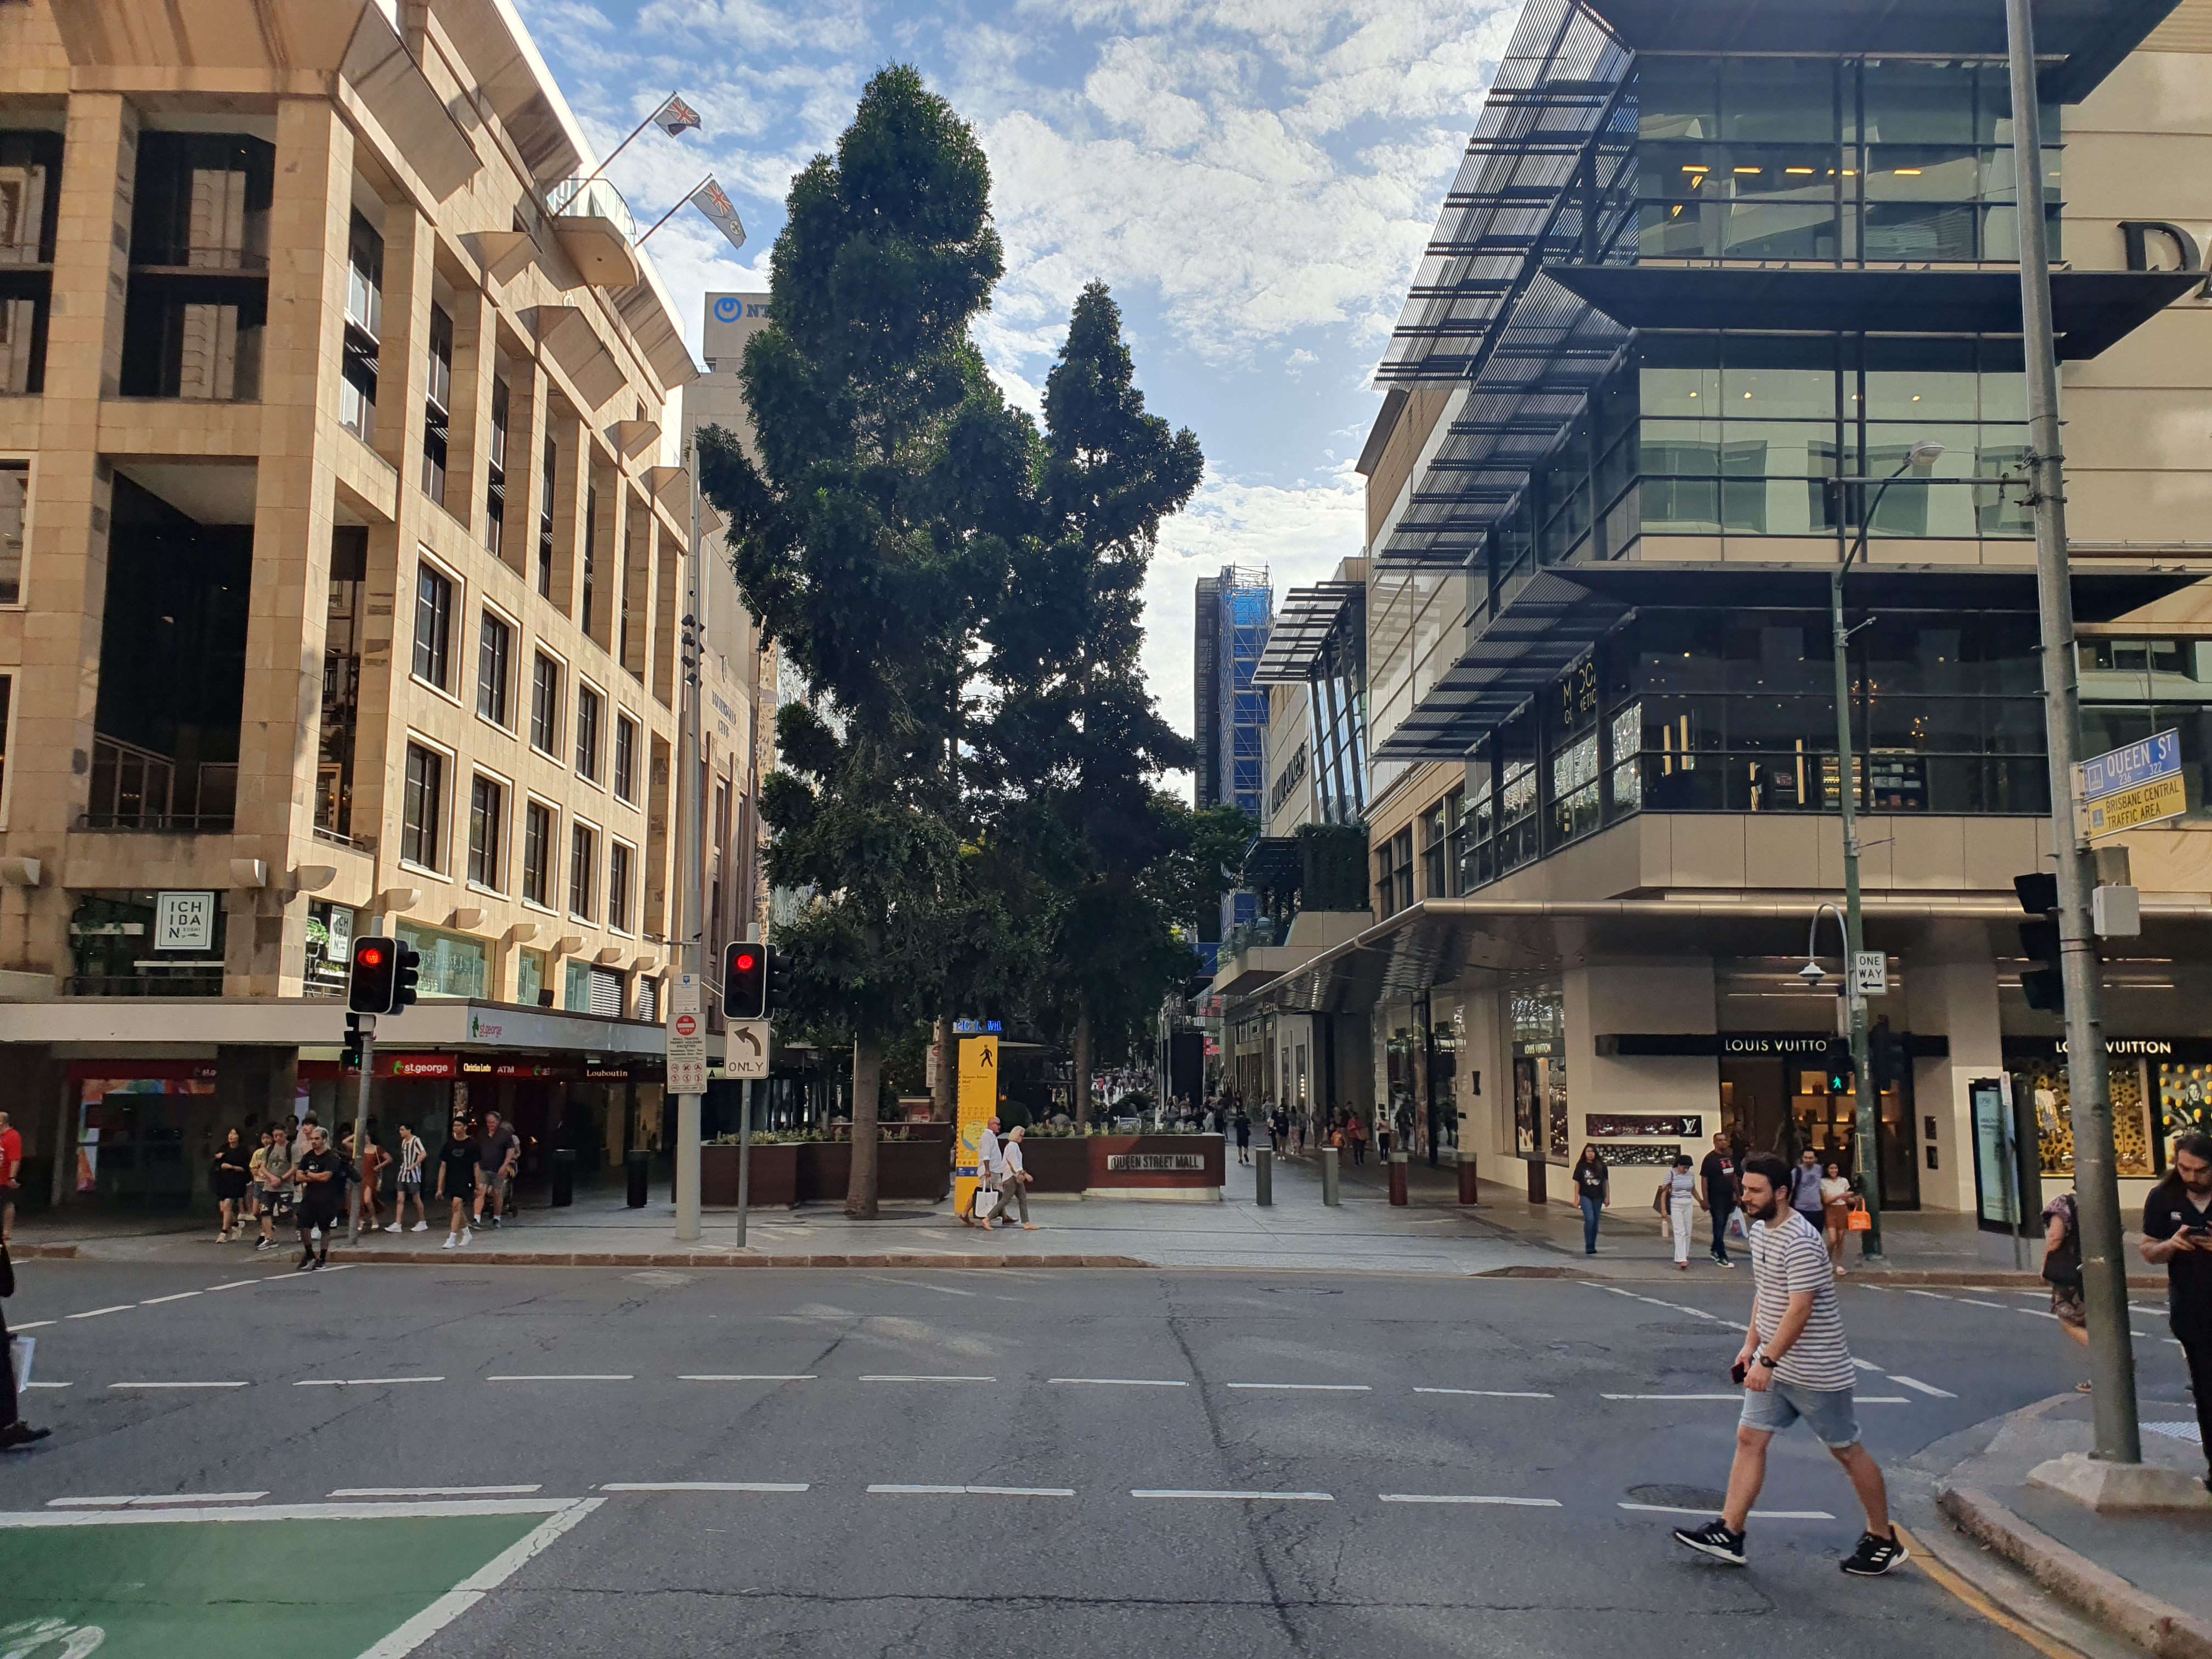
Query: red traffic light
point(745, 961)
point(370, 957)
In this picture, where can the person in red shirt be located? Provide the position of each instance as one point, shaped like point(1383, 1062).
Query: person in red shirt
point(11, 1165)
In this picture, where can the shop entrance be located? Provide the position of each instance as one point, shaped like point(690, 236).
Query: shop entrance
point(1784, 1104)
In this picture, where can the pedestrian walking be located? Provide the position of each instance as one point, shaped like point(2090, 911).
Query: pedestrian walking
point(1678, 1199)
point(986, 1173)
point(11, 1172)
point(253, 1177)
point(497, 1151)
point(233, 1169)
point(368, 1162)
point(1718, 1192)
point(1805, 1188)
point(457, 1177)
point(2178, 1231)
point(14, 1432)
point(1014, 1179)
point(409, 1182)
point(1358, 1130)
point(319, 1174)
point(1594, 1187)
point(1272, 1115)
point(1794, 1365)
point(2062, 1270)
point(1298, 1136)
point(277, 1189)
point(1243, 1126)
point(1835, 1212)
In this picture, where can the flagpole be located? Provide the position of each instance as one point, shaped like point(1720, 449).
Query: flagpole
point(672, 212)
point(634, 132)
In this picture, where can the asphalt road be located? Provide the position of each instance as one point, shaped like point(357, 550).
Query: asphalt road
point(526, 1461)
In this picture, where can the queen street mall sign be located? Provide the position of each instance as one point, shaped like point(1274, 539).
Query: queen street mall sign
point(2128, 787)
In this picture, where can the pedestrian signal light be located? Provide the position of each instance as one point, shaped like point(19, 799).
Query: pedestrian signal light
point(349, 1056)
point(372, 987)
point(745, 981)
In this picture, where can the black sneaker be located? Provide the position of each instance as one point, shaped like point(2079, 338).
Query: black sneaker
point(1874, 1557)
point(20, 1434)
point(1713, 1538)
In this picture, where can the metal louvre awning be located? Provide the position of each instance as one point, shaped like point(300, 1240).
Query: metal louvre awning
point(2090, 309)
point(1542, 626)
point(1553, 101)
point(1303, 623)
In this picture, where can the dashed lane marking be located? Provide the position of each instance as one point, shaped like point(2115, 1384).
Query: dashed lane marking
point(1245, 1496)
point(1864, 1365)
point(429, 1510)
point(1469, 1498)
point(1669, 1396)
point(179, 1385)
point(1490, 1394)
point(32, 1325)
point(743, 1377)
point(156, 1301)
point(361, 1382)
point(888, 1378)
point(1929, 1388)
point(705, 1485)
point(1308, 1387)
point(1123, 1382)
point(566, 1377)
point(893, 1490)
point(437, 1492)
point(1756, 1515)
point(1931, 1295)
point(155, 1500)
point(94, 1313)
point(921, 1284)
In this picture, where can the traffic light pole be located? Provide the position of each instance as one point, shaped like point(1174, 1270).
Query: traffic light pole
point(361, 1121)
point(691, 798)
point(2096, 1185)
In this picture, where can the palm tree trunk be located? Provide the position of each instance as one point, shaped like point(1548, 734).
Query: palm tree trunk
point(948, 1072)
point(867, 1089)
point(1083, 1069)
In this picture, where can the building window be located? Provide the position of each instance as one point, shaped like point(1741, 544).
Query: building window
point(494, 639)
point(618, 863)
point(7, 709)
point(545, 705)
point(420, 806)
point(437, 405)
point(453, 964)
point(364, 329)
point(583, 856)
point(1401, 855)
point(14, 521)
point(1627, 760)
point(199, 295)
point(1455, 828)
point(591, 550)
point(537, 849)
point(545, 521)
point(587, 733)
point(487, 822)
point(496, 477)
point(434, 624)
point(625, 758)
point(30, 179)
point(1432, 852)
point(529, 980)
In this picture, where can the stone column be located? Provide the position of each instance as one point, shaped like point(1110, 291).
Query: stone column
point(1954, 996)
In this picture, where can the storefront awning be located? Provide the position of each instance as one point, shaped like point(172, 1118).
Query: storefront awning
point(120, 1026)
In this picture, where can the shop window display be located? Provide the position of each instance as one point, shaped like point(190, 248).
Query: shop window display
point(2045, 1081)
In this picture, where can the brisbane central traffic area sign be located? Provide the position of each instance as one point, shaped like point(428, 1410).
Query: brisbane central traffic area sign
point(2127, 788)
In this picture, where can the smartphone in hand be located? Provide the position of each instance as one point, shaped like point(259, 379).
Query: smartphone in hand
point(1739, 1372)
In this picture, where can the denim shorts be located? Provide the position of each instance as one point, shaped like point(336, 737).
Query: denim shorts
point(1827, 1411)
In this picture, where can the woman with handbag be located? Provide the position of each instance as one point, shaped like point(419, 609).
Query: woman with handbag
point(2062, 1270)
point(14, 1432)
point(1594, 1190)
point(1835, 1212)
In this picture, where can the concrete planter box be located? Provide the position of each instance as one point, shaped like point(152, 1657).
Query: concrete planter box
point(1141, 1165)
point(772, 1181)
point(1056, 1164)
point(904, 1170)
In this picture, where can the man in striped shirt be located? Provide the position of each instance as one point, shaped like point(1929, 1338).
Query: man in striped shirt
point(1794, 1365)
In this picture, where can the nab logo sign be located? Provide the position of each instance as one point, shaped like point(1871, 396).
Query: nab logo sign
point(728, 308)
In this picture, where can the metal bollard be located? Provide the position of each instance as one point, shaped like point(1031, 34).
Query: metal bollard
point(1467, 1179)
point(1328, 1193)
point(1398, 1178)
point(1263, 1176)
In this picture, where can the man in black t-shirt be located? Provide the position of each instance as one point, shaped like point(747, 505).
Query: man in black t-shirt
point(2178, 1231)
point(1716, 1191)
point(319, 1175)
point(457, 1180)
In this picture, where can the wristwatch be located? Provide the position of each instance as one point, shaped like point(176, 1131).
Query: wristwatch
point(1769, 1362)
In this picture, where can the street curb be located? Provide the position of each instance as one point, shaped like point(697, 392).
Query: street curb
point(2103, 1596)
point(1969, 1279)
point(907, 1259)
point(42, 1252)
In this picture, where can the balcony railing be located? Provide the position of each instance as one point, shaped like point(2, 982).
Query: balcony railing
point(591, 198)
point(135, 788)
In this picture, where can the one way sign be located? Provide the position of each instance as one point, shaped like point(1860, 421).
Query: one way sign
point(745, 1053)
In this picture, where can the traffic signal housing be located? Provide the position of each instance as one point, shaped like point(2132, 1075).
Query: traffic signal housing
point(2043, 983)
point(1885, 1056)
point(779, 980)
point(745, 981)
point(372, 984)
point(349, 1056)
point(409, 977)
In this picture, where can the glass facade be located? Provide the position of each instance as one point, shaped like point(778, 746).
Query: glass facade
point(1852, 161)
point(1337, 719)
point(2134, 688)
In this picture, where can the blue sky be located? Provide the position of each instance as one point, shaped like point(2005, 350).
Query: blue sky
point(1255, 180)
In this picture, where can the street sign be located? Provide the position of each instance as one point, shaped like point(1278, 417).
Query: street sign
point(744, 1050)
point(1869, 974)
point(2128, 787)
point(687, 1037)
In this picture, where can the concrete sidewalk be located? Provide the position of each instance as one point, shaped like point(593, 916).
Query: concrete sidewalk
point(1503, 1233)
point(2141, 1578)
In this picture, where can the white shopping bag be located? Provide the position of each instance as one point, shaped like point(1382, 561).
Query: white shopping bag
point(19, 1350)
point(987, 1203)
point(1736, 1226)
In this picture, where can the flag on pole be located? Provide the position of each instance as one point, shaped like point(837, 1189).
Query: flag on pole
point(675, 116)
point(710, 199)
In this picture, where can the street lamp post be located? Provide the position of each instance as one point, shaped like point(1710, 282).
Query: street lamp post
point(1919, 459)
